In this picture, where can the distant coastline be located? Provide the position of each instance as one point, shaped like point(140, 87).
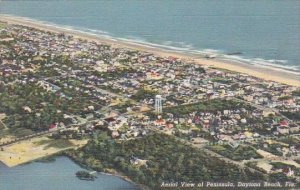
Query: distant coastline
point(264, 72)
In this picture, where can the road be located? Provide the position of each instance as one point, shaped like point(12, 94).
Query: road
point(256, 139)
point(274, 158)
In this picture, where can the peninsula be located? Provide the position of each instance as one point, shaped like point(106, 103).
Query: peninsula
point(263, 72)
point(155, 117)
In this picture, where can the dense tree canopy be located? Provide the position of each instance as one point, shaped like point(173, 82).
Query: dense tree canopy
point(167, 160)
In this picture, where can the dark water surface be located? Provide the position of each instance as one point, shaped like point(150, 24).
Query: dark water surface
point(58, 175)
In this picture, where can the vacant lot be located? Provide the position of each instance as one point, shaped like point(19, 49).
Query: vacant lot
point(35, 148)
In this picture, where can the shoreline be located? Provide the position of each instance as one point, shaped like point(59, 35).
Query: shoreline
point(27, 151)
point(112, 172)
point(83, 166)
point(262, 72)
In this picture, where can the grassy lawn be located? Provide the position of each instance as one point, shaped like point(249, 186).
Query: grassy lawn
point(218, 148)
point(291, 141)
point(2, 25)
point(183, 127)
point(20, 132)
point(57, 143)
point(4, 133)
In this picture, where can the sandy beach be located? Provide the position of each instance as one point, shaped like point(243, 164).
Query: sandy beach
point(263, 72)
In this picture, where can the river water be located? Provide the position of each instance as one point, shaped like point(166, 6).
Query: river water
point(58, 175)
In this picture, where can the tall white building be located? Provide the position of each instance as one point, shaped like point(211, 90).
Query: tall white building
point(158, 104)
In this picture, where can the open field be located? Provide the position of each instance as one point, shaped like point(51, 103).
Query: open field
point(36, 148)
point(2, 25)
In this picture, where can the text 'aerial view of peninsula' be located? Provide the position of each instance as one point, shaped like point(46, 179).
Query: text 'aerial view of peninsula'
point(149, 95)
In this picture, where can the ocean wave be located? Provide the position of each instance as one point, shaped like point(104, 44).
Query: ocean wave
point(146, 43)
point(279, 64)
point(217, 54)
point(94, 31)
point(183, 45)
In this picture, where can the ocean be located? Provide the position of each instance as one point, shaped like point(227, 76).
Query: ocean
point(259, 32)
